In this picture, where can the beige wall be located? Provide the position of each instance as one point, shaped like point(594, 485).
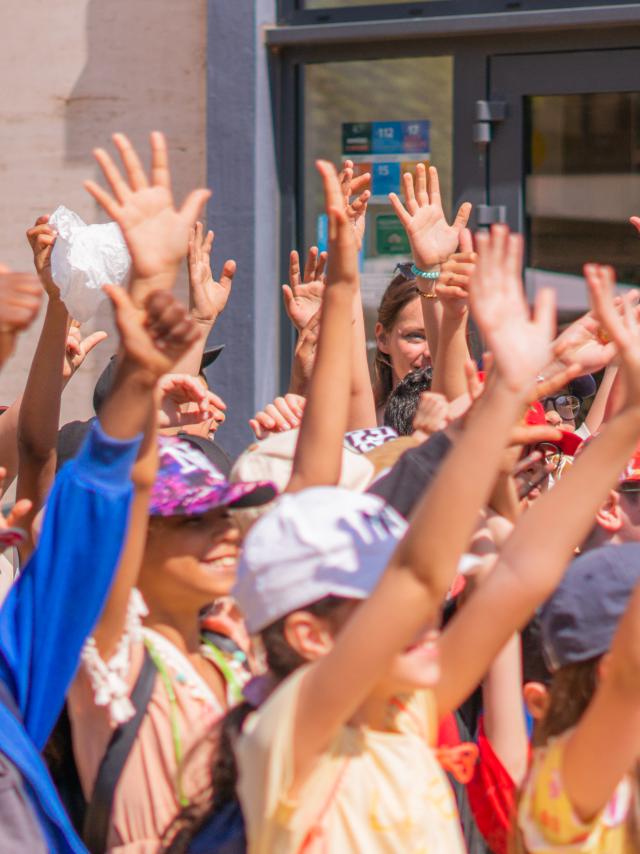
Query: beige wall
point(73, 72)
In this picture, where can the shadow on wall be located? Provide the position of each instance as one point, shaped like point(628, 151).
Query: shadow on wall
point(145, 70)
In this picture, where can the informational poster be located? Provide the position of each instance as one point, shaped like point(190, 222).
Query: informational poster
point(391, 238)
point(386, 149)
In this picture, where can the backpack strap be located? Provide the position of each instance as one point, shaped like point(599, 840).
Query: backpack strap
point(98, 813)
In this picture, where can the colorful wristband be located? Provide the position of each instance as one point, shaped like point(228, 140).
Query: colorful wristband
point(425, 274)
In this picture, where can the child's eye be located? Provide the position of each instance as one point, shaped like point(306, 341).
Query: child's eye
point(415, 336)
point(192, 521)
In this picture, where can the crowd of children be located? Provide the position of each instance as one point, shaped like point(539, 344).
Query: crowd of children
point(405, 619)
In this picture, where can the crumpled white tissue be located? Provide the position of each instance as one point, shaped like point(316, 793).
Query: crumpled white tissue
point(84, 258)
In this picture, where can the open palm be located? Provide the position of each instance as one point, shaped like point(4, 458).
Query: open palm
point(431, 237)
point(303, 295)
point(156, 233)
point(207, 297)
point(520, 346)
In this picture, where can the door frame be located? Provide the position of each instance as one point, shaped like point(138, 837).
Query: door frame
point(475, 55)
point(513, 77)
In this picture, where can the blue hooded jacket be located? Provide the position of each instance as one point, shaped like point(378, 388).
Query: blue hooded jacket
point(53, 607)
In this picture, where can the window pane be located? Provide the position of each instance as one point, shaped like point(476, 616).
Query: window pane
point(340, 4)
point(401, 109)
point(583, 184)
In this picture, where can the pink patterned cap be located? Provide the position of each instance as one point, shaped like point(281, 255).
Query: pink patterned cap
point(188, 484)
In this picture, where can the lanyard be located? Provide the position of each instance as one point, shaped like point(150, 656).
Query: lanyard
point(223, 666)
point(183, 800)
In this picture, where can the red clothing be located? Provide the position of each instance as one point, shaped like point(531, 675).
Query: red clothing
point(491, 791)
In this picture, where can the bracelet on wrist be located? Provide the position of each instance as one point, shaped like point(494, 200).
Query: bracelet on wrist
point(427, 294)
point(433, 275)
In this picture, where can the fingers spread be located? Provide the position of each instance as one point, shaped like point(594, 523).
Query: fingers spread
point(160, 175)
point(131, 161)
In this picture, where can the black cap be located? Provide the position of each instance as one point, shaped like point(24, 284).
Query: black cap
point(210, 355)
point(212, 450)
point(405, 484)
point(70, 438)
point(580, 619)
point(105, 380)
point(584, 386)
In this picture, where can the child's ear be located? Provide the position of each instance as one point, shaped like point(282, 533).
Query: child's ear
point(536, 697)
point(381, 338)
point(603, 666)
point(308, 635)
point(609, 516)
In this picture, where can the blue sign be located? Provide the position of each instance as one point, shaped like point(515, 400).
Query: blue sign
point(385, 178)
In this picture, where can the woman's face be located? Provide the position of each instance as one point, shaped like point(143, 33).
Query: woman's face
point(405, 343)
point(191, 558)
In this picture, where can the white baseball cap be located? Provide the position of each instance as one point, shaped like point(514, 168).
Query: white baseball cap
point(320, 542)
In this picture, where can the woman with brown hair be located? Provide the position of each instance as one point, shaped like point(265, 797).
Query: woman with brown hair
point(401, 341)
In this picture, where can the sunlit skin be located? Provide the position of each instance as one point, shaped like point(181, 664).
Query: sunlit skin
point(190, 560)
point(406, 342)
point(416, 668)
point(553, 418)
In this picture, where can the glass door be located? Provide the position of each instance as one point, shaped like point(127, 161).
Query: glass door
point(564, 164)
point(386, 115)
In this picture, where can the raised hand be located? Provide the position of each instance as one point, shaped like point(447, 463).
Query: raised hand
point(355, 208)
point(621, 328)
point(452, 288)
point(13, 527)
point(520, 346)
point(156, 232)
point(41, 237)
point(285, 413)
point(432, 414)
point(184, 400)
point(20, 298)
point(304, 356)
point(432, 239)
point(153, 339)
point(303, 296)
point(78, 348)
point(343, 241)
point(207, 297)
point(582, 343)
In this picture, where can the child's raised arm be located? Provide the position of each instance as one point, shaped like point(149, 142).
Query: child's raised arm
point(408, 597)
point(610, 727)
point(533, 559)
point(318, 457)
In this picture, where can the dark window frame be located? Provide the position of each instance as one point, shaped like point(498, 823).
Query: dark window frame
point(294, 13)
point(472, 54)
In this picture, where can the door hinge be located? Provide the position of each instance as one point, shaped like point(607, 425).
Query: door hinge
point(488, 113)
point(490, 214)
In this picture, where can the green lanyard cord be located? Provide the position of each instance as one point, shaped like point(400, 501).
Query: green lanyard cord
point(183, 800)
point(223, 666)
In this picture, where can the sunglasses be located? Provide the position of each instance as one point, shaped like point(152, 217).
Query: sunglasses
point(551, 453)
point(404, 269)
point(566, 405)
point(629, 487)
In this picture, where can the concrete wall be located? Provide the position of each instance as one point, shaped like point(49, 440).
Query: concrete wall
point(73, 72)
point(242, 171)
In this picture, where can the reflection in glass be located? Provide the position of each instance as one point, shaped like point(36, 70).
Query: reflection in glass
point(408, 91)
point(583, 184)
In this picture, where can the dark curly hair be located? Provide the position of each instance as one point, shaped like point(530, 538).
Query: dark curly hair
point(403, 401)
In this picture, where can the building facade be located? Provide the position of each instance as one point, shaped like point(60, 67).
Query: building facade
point(530, 110)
